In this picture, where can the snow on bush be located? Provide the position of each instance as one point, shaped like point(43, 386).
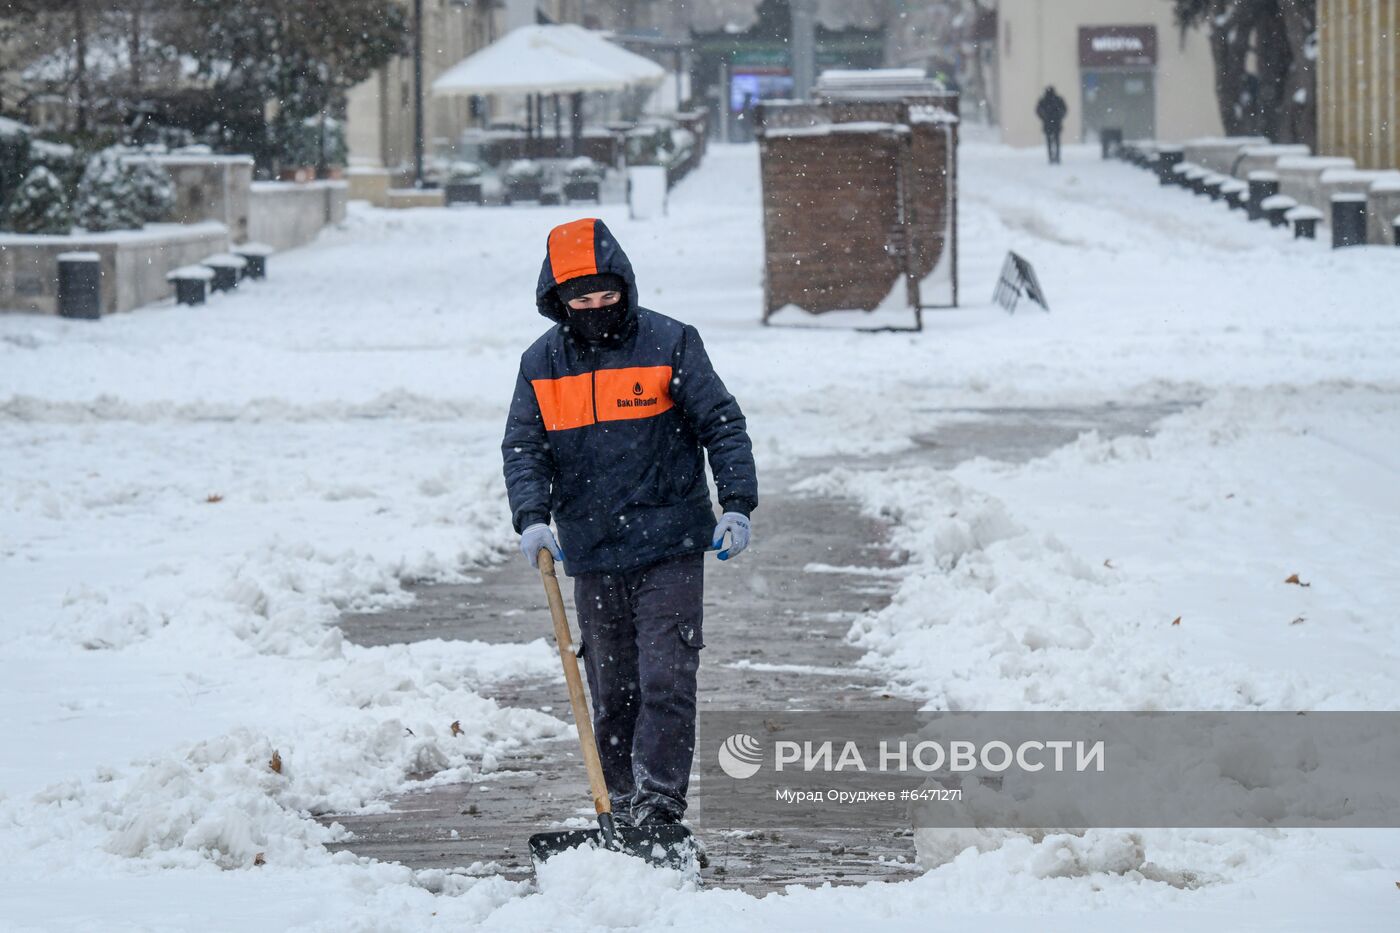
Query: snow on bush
point(155, 191)
point(39, 205)
point(109, 198)
point(524, 169)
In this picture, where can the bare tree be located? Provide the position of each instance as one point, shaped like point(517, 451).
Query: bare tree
point(1263, 64)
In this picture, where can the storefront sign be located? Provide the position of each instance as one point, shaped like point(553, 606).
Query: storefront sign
point(1117, 46)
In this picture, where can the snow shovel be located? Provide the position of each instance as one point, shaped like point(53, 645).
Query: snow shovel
point(665, 844)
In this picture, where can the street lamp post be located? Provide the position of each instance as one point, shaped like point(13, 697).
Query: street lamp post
point(418, 93)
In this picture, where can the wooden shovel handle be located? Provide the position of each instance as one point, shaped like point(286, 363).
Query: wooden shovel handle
point(602, 803)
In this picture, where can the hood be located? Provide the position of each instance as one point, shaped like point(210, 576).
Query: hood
point(580, 247)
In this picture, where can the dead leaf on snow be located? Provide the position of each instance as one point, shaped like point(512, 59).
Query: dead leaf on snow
point(457, 727)
point(214, 497)
point(1108, 562)
point(259, 860)
point(1176, 621)
point(1296, 582)
point(275, 763)
point(1297, 620)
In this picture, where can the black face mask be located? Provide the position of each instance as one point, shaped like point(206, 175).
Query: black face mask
point(598, 325)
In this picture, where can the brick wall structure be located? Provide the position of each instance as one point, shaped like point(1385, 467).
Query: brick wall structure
point(832, 216)
point(857, 194)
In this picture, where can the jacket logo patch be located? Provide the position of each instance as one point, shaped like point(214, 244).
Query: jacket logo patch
point(568, 402)
point(634, 392)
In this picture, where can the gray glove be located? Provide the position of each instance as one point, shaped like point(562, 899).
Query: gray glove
point(539, 536)
point(736, 525)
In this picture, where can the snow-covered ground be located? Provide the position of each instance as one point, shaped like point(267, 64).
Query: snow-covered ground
point(191, 496)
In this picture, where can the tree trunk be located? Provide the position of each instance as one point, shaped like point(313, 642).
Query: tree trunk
point(80, 63)
point(1300, 91)
point(1229, 44)
point(1274, 62)
point(135, 52)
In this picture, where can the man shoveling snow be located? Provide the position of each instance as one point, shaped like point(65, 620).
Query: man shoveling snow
point(613, 410)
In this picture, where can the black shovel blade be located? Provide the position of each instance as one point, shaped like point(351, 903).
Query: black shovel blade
point(668, 845)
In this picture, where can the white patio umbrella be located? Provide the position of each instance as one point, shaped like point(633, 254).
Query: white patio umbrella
point(548, 60)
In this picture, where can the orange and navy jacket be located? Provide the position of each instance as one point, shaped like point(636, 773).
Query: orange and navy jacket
point(610, 440)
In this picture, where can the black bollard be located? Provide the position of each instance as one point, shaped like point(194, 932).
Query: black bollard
point(1168, 157)
point(1262, 185)
point(1304, 219)
point(1111, 139)
point(191, 284)
point(80, 285)
point(1348, 220)
point(1234, 191)
point(256, 254)
point(228, 269)
point(1276, 209)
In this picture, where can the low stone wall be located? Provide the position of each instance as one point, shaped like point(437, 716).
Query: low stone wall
point(369, 184)
point(415, 197)
point(134, 264)
point(1383, 207)
point(1218, 153)
point(285, 215)
point(211, 187)
point(1257, 158)
point(1299, 177)
point(1358, 181)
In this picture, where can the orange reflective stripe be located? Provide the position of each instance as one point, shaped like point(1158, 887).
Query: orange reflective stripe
point(635, 392)
point(571, 252)
point(566, 402)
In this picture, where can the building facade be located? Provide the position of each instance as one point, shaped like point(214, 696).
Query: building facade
point(1358, 81)
point(380, 111)
point(1121, 64)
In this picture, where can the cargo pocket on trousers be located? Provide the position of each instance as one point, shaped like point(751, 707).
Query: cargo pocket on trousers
point(691, 634)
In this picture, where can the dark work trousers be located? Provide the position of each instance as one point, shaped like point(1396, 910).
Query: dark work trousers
point(641, 639)
point(1052, 144)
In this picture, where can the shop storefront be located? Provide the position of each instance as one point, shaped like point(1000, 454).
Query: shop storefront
point(1122, 64)
point(1118, 80)
point(733, 71)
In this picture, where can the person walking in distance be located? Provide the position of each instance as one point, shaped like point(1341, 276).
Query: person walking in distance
point(614, 410)
point(1051, 109)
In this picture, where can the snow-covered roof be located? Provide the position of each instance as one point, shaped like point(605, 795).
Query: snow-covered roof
point(548, 60)
point(1303, 212)
point(877, 83)
point(738, 15)
point(1275, 201)
point(826, 129)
